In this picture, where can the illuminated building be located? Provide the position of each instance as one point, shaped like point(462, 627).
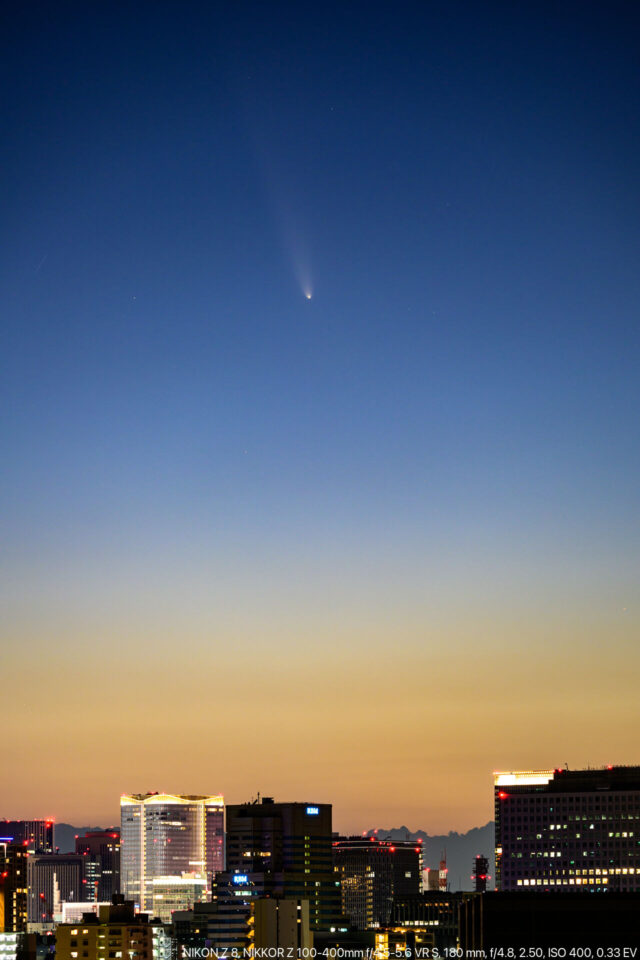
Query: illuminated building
point(568, 830)
point(71, 912)
point(52, 879)
point(228, 922)
point(10, 944)
point(36, 835)
point(18, 946)
point(372, 872)
point(163, 835)
point(285, 850)
point(13, 888)
point(169, 894)
point(222, 923)
point(117, 931)
point(101, 852)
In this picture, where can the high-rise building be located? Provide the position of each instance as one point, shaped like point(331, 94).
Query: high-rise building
point(285, 850)
point(480, 873)
point(101, 852)
point(13, 887)
point(51, 880)
point(568, 830)
point(163, 835)
point(229, 919)
point(36, 835)
point(372, 873)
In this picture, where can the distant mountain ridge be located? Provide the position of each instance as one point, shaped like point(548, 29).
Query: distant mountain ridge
point(460, 848)
point(64, 836)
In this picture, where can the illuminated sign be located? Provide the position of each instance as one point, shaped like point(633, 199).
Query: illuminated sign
point(313, 811)
point(523, 778)
point(240, 878)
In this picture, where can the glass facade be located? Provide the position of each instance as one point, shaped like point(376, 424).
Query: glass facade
point(167, 836)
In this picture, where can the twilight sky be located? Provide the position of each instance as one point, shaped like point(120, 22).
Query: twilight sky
point(364, 548)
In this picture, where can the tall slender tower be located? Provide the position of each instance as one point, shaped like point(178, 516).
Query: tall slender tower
point(163, 835)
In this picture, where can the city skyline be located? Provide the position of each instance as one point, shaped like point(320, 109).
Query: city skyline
point(319, 380)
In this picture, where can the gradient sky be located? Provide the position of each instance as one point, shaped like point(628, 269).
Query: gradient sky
point(364, 548)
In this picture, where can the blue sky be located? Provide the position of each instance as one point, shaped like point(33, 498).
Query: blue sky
point(445, 435)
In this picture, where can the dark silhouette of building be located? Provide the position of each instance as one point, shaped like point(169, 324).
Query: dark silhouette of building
point(101, 852)
point(568, 831)
point(372, 873)
point(53, 879)
point(432, 912)
point(480, 873)
point(559, 920)
point(13, 887)
point(284, 850)
point(36, 835)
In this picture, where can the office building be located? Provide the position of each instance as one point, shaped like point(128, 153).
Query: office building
point(480, 873)
point(101, 852)
point(36, 835)
point(222, 924)
point(568, 830)
point(285, 850)
point(238, 920)
point(228, 922)
point(432, 917)
point(372, 873)
point(13, 889)
point(51, 880)
point(164, 835)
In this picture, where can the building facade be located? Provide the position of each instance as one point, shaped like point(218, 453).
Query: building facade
point(101, 852)
point(51, 880)
point(169, 894)
point(36, 835)
point(117, 931)
point(568, 830)
point(285, 850)
point(432, 917)
point(165, 835)
point(13, 888)
point(281, 924)
point(372, 873)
